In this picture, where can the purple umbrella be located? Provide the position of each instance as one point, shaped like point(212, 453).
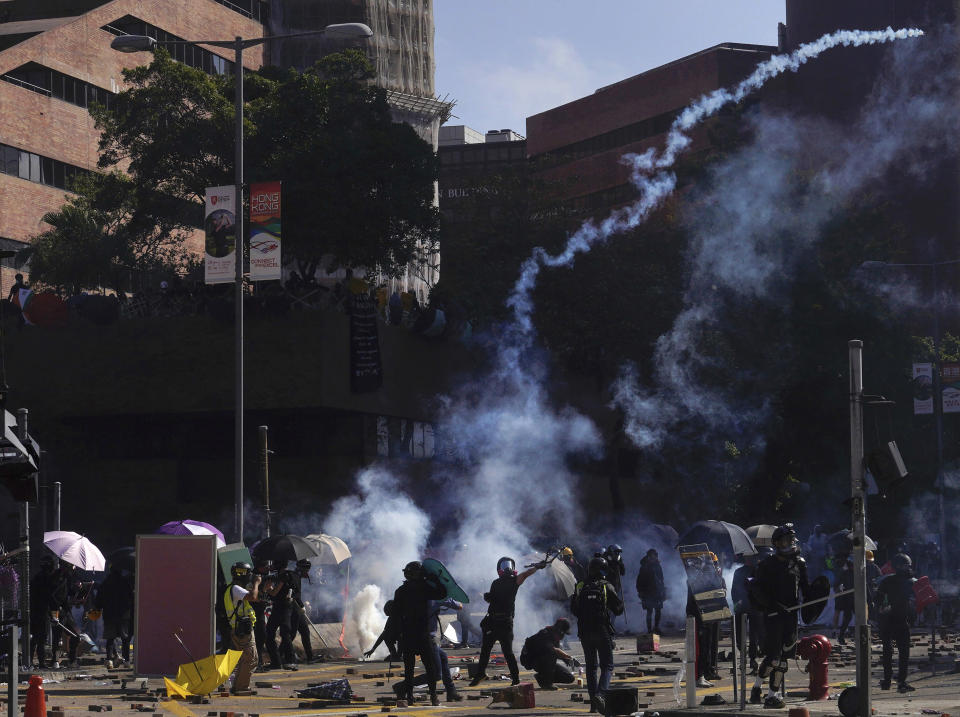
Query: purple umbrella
point(191, 527)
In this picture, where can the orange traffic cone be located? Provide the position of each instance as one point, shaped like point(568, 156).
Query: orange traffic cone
point(36, 705)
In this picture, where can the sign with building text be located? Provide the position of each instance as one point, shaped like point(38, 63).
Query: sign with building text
point(265, 261)
point(922, 389)
point(220, 235)
point(950, 387)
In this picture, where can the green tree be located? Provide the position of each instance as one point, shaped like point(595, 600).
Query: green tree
point(358, 187)
point(101, 235)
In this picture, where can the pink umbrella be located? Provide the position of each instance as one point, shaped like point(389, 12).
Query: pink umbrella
point(191, 527)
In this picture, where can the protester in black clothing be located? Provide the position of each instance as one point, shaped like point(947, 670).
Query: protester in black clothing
point(740, 595)
point(651, 589)
point(873, 579)
point(844, 604)
point(708, 633)
point(390, 635)
point(436, 607)
point(263, 569)
point(115, 599)
point(497, 624)
point(42, 604)
point(281, 619)
point(895, 599)
point(541, 652)
point(594, 603)
point(298, 614)
point(567, 558)
point(411, 603)
point(781, 583)
point(64, 592)
point(615, 567)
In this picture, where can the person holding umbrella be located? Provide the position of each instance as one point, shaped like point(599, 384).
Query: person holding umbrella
point(42, 606)
point(64, 592)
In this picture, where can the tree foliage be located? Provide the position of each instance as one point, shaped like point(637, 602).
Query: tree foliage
point(357, 187)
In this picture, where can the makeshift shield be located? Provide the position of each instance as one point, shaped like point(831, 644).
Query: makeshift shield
point(437, 573)
point(705, 581)
point(819, 588)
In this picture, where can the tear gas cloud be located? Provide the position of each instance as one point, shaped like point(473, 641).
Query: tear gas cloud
point(512, 481)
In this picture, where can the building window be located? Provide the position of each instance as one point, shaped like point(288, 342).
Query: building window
point(36, 168)
point(42, 80)
point(191, 55)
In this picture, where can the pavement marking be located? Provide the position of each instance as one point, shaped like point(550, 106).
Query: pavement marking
point(177, 708)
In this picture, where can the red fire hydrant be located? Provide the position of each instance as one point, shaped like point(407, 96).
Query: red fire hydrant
point(816, 649)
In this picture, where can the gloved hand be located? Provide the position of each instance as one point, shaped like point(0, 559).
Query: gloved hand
point(368, 653)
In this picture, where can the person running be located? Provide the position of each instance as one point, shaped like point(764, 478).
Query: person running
point(594, 603)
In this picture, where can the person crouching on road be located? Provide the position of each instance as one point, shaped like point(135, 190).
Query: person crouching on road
point(541, 652)
point(497, 625)
point(594, 603)
point(238, 602)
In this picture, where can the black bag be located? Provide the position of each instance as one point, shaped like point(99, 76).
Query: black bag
point(525, 659)
point(591, 607)
point(243, 626)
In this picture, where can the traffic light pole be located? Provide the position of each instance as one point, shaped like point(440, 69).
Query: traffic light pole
point(858, 510)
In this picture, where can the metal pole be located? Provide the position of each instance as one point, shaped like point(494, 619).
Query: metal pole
point(238, 289)
point(13, 708)
point(938, 416)
point(858, 512)
point(265, 475)
point(744, 638)
point(733, 642)
point(22, 420)
point(57, 493)
point(690, 658)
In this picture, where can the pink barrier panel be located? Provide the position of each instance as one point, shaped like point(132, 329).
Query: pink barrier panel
point(176, 584)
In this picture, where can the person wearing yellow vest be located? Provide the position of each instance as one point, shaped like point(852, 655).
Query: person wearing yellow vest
point(237, 602)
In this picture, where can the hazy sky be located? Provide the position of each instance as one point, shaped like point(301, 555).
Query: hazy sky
point(504, 60)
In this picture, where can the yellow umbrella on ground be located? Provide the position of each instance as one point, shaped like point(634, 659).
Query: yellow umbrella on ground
point(203, 676)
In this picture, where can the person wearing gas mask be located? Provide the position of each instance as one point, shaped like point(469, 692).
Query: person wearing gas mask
point(497, 625)
point(281, 620)
point(299, 622)
point(895, 599)
point(411, 605)
point(780, 583)
point(238, 601)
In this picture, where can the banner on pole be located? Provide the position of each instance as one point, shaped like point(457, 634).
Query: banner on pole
point(220, 242)
point(922, 388)
point(265, 231)
point(950, 387)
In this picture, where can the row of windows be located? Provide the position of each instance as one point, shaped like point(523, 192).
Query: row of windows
point(483, 152)
point(620, 137)
point(36, 168)
point(43, 80)
point(187, 54)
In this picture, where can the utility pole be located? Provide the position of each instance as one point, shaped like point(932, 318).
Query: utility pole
point(23, 435)
point(265, 475)
point(858, 510)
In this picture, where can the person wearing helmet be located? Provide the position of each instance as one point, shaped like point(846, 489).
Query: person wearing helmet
point(569, 559)
point(280, 592)
point(238, 602)
point(263, 568)
point(497, 624)
point(781, 583)
point(615, 567)
point(895, 599)
point(411, 604)
point(299, 622)
point(542, 650)
point(594, 602)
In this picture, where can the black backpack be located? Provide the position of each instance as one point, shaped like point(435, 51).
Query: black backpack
point(591, 606)
point(525, 654)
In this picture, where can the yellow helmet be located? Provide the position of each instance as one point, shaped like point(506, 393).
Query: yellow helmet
point(869, 554)
point(566, 552)
point(94, 614)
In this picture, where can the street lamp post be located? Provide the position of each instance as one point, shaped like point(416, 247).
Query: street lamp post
point(937, 392)
point(143, 43)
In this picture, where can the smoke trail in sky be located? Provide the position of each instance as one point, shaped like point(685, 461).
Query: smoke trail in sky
point(656, 187)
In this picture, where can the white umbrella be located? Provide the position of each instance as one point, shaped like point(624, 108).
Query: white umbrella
point(761, 535)
point(333, 550)
point(75, 549)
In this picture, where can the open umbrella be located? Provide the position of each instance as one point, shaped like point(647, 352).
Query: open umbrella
point(203, 676)
point(333, 550)
point(75, 549)
point(720, 537)
point(842, 542)
point(281, 548)
point(560, 578)
point(191, 527)
point(761, 535)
